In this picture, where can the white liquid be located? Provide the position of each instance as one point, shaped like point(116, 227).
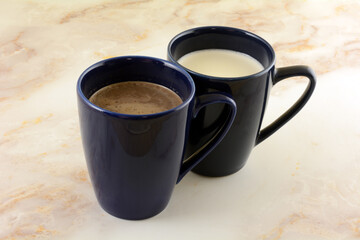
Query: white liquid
point(221, 63)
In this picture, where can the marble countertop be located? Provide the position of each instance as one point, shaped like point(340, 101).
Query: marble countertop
point(301, 183)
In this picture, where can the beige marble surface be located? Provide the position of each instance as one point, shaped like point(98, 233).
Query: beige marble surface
point(301, 183)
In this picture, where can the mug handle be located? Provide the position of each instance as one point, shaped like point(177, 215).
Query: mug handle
point(200, 102)
point(281, 74)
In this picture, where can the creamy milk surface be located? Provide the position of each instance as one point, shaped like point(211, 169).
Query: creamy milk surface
point(221, 63)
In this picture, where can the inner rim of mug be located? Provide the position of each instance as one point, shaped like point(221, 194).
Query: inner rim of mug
point(218, 37)
point(135, 68)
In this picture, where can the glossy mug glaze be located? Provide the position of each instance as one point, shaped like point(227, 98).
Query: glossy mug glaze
point(251, 94)
point(134, 161)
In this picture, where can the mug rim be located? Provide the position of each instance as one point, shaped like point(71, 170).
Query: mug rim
point(209, 77)
point(135, 58)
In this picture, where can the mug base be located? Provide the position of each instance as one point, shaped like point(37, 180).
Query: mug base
point(134, 217)
point(217, 173)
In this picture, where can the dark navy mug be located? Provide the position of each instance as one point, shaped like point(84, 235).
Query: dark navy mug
point(134, 161)
point(250, 93)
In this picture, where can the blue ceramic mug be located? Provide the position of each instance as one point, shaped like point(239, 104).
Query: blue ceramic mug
point(251, 94)
point(134, 161)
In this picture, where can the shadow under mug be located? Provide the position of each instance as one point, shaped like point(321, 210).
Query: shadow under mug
point(134, 161)
point(250, 93)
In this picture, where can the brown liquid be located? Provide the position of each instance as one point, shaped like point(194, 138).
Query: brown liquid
point(135, 98)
